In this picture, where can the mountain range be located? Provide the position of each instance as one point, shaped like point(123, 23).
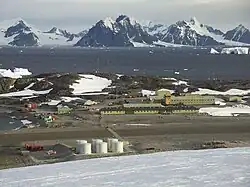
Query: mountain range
point(124, 32)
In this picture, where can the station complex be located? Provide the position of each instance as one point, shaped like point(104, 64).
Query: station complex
point(163, 103)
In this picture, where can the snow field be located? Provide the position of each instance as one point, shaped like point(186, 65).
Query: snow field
point(207, 168)
point(90, 83)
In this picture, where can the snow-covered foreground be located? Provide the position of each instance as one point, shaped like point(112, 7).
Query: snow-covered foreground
point(90, 83)
point(206, 168)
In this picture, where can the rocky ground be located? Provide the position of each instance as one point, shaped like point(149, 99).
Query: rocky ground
point(59, 82)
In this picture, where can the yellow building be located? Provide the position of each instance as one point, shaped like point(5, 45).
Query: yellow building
point(189, 100)
point(112, 111)
point(235, 99)
point(185, 111)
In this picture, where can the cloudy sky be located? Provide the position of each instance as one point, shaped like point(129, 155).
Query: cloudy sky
point(77, 14)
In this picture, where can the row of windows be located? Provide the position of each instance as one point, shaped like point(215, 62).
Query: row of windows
point(146, 111)
point(192, 101)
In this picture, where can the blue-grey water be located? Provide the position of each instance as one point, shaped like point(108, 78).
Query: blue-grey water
point(149, 61)
point(8, 123)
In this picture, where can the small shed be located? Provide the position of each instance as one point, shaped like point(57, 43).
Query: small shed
point(235, 98)
point(63, 109)
point(90, 103)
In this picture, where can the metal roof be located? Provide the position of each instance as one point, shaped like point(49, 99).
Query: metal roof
point(142, 105)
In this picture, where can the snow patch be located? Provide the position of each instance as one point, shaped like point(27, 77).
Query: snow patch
point(69, 99)
point(26, 122)
point(213, 51)
point(52, 102)
point(220, 102)
point(180, 82)
point(139, 124)
point(226, 111)
point(147, 93)
point(27, 92)
point(90, 83)
point(169, 79)
point(204, 91)
point(138, 44)
point(16, 73)
point(30, 86)
point(165, 44)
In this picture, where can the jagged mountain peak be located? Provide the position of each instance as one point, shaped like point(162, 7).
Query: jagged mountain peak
point(124, 18)
point(53, 30)
point(194, 21)
point(107, 22)
point(241, 27)
point(239, 34)
point(123, 31)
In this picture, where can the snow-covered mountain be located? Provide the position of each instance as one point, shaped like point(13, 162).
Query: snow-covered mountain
point(121, 32)
point(155, 29)
point(192, 33)
point(19, 33)
point(239, 34)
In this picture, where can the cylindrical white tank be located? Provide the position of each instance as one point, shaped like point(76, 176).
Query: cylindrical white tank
point(118, 147)
point(86, 149)
point(102, 147)
point(113, 142)
point(94, 144)
point(79, 146)
point(110, 140)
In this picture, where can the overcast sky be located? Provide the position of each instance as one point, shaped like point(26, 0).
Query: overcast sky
point(77, 14)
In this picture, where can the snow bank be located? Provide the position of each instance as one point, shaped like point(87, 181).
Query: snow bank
point(139, 124)
point(52, 102)
point(220, 102)
point(90, 83)
point(30, 86)
point(26, 122)
point(213, 51)
point(199, 168)
point(167, 90)
point(64, 99)
point(169, 79)
point(235, 50)
point(177, 83)
point(16, 73)
point(137, 44)
point(27, 92)
point(95, 93)
point(226, 111)
point(147, 93)
point(204, 91)
point(69, 99)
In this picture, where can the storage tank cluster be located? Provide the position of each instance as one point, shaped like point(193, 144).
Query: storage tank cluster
point(83, 147)
point(98, 146)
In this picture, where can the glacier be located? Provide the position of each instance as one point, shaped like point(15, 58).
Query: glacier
point(206, 168)
point(236, 50)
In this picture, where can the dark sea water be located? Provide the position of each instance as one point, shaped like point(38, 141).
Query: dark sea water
point(149, 61)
